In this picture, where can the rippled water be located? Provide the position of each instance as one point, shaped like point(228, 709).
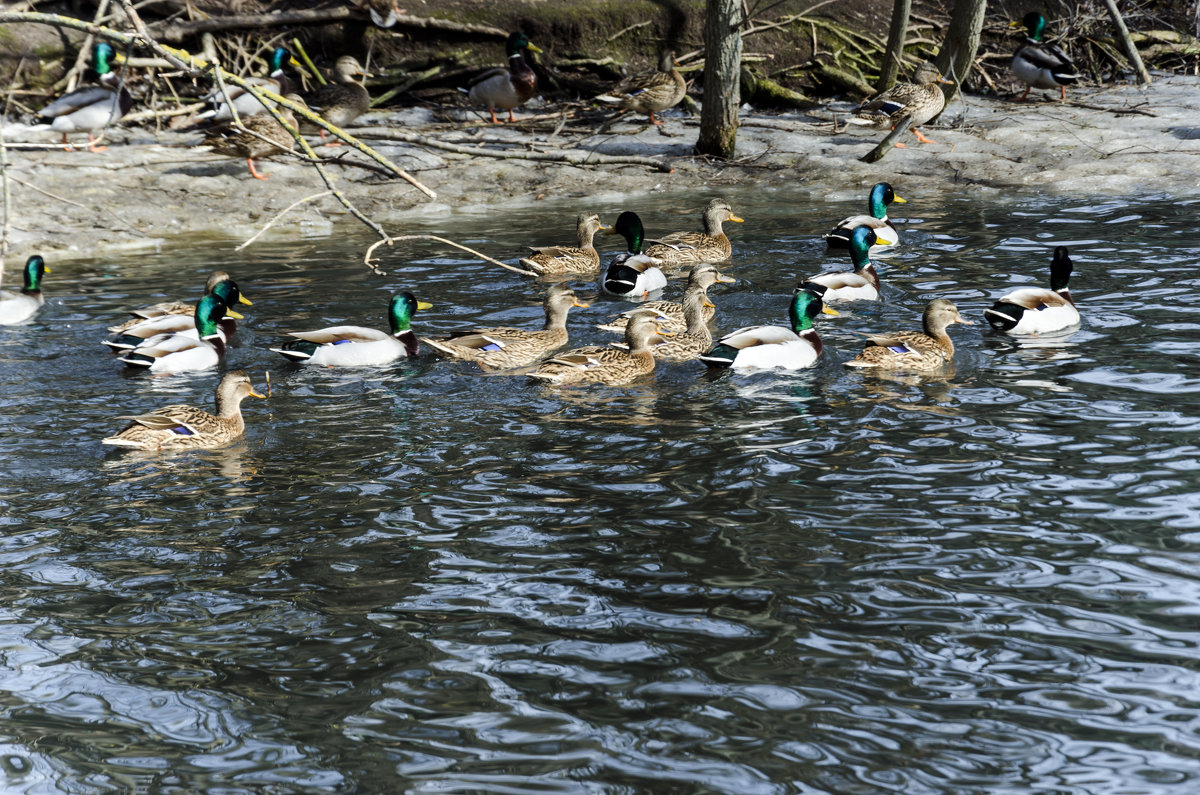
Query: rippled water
point(421, 578)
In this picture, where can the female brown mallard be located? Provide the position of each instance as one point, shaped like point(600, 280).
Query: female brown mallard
point(218, 282)
point(919, 101)
point(181, 426)
point(580, 258)
point(671, 313)
point(927, 349)
point(696, 339)
point(513, 347)
point(257, 137)
point(687, 248)
point(650, 92)
point(506, 88)
point(596, 365)
point(343, 100)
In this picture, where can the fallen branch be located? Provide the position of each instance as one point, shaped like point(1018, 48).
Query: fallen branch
point(573, 157)
point(177, 32)
point(889, 141)
point(282, 213)
point(484, 257)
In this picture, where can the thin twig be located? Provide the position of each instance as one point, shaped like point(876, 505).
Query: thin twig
point(483, 257)
point(282, 213)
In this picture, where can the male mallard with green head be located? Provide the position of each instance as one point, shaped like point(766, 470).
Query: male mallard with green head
point(876, 219)
point(769, 347)
point(632, 273)
point(19, 306)
point(90, 108)
point(1039, 64)
point(178, 353)
point(861, 284)
point(358, 346)
point(506, 88)
point(1036, 310)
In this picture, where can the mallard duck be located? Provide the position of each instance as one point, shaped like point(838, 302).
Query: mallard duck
point(695, 339)
point(343, 100)
point(135, 334)
point(506, 88)
point(1038, 64)
point(877, 219)
point(671, 313)
point(257, 137)
point(383, 12)
point(650, 92)
point(18, 306)
point(774, 346)
point(928, 349)
point(861, 284)
point(357, 346)
point(1036, 310)
point(177, 353)
point(919, 101)
point(243, 101)
point(90, 108)
point(218, 282)
point(181, 426)
point(596, 365)
point(513, 347)
point(631, 272)
point(687, 248)
point(580, 258)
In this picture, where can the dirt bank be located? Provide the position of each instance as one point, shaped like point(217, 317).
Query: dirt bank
point(146, 189)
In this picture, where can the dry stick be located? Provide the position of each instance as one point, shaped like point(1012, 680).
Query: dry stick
point(574, 157)
point(178, 31)
point(483, 257)
point(889, 141)
point(316, 73)
point(625, 30)
point(282, 213)
point(1127, 42)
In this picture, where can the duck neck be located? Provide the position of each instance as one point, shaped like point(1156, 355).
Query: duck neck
point(693, 312)
point(229, 405)
point(810, 336)
point(712, 225)
point(937, 332)
point(1065, 292)
point(586, 236)
point(556, 316)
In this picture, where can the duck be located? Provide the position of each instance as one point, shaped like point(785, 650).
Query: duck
point(599, 365)
point(671, 313)
point(695, 339)
point(580, 258)
point(1039, 64)
point(919, 101)
point(17, 306)
point(218, 282)
point(178, 353)
point(928, 349)
point(504, 348)
point(90, 108)
point(383, 13)
point(650, 92)
point(357, 346)
point(775, 347)
point(181, 426)
point(1036, 310)
point(861, 284)
point(686, 248)
point(257, 137)
point(343, 100)
point(876, 218)
point(245, 103)
point(135, 333)
point(506, 88)
point(632, 273)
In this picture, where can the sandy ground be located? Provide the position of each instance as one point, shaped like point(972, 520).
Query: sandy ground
point(146, 189)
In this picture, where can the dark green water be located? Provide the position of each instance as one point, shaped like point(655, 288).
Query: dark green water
point(420, 578)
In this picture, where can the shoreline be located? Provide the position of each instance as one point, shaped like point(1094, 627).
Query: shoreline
point(1119, 140)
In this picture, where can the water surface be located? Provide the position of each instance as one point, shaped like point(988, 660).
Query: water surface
point(425, 578)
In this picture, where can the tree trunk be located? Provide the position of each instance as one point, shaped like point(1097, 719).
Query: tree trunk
point(893, 57)
point(722, 73)
point(962, 42)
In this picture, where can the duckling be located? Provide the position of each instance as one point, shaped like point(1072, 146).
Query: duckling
point(774, 346)
point(651, 92)
point(580, 258)
point(218, 282)
point(632, 273)
point(1036, 310)
point(90, 108)
point(244, 102)
point(861, 284)
point(17, 307)
point(671, 313)
point(513, 347)
point(877, 219)
point(181, 426)
point(595, 365)
point(687, 248)
point(257, 137)
point(357, 346)
point(920, 101)
point(928, 349)
point(506, 88)
point(1038, 64)
point(177, 353)
point(343, 100)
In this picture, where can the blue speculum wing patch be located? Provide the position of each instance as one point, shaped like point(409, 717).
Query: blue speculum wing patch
point(491, 346)
point(182, 430)
point(897, 349)
point(341, 342)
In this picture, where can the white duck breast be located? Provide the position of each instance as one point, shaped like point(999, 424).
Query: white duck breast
point(173, 353)
point(18, 307)
point(846, 286)
point(633, 274)
point(351, 346)
point(1036, 311)
point(768, 347)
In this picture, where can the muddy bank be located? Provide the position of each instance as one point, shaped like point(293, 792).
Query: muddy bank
point(147, 189)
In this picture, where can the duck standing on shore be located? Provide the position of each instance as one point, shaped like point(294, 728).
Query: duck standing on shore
point(506, 88)
point(918, 101)
point(650, 92)
point(90, 108)
point(1038, 64)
